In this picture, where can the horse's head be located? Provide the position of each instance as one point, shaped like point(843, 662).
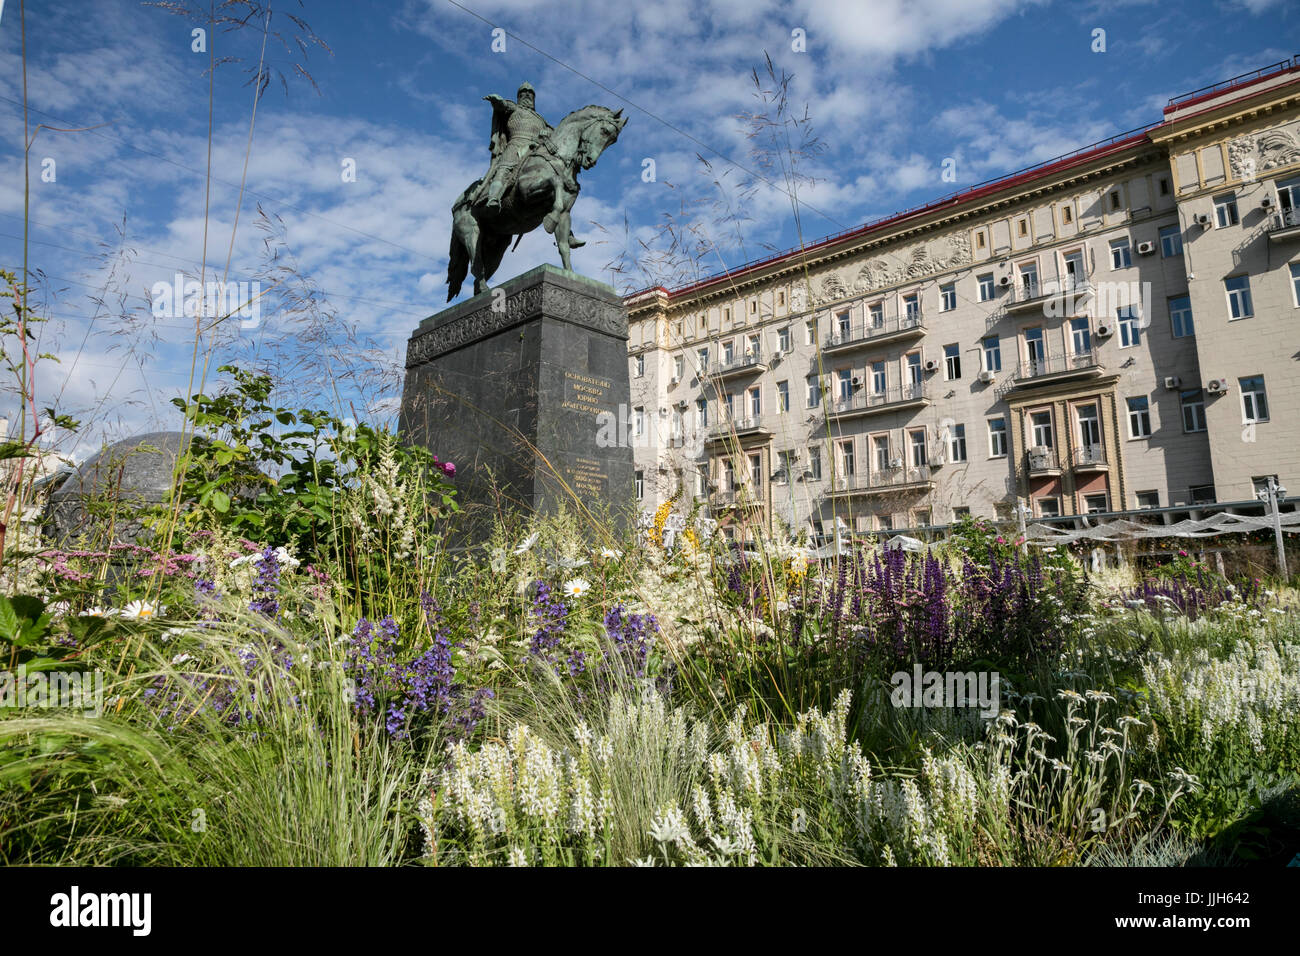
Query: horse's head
point(600, 128)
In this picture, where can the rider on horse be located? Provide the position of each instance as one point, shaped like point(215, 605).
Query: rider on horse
point(516, 129)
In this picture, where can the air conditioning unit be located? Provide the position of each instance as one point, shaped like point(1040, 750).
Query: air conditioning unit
point(895, 463)
point(1104, 329)
point(932, 365)
point(1146, 248)
point(674, 380)
point(778, 355)
point(1216, 386)
point(1266, 202)
point(1203, 219)
point(986, 377)
point(1172, 381)
point(1005, 280)
point(857, 382)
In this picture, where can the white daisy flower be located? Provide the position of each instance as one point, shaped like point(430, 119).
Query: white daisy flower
point(142, 611)
point(576, 587)
point(527, 543)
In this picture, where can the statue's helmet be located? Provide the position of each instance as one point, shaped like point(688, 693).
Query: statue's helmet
point(526, 88)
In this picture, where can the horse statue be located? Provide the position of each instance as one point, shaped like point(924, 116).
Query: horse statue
point(542, 192)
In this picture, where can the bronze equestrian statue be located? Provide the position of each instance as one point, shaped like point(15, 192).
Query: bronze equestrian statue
point(532, 181)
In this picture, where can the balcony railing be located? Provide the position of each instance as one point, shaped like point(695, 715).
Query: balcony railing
point(737, 426)
point(1025, 297)
point(1042, 461)
point(751, 361)
point(907, 325)
point(881, 479)
point(1059, 365)
point(1285, 225)
point(1089, 458)
point(743, 495)
point(864, 402)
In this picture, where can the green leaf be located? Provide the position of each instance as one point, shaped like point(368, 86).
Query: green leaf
point(221, 501)
point(8, 619)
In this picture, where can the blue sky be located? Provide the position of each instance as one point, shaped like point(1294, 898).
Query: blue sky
point(892, 89)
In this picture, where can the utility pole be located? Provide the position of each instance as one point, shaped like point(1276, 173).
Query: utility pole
point(1271, 493)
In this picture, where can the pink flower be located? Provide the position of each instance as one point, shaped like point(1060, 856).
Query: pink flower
point(448, 469)
point(1001, 540)
point(1182, 553)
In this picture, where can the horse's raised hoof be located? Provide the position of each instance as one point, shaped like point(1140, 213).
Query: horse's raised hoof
point(576, 243)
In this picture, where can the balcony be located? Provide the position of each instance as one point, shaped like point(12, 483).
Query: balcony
point(882, 481)
point(1089, 458)
point(897, 328)
point(742, 497)
point(1058, 367)
point(1060, 297)
point(1042, 462)
point(1285, 225)
point(750, 363)
point(915, 395)
point(739, 427)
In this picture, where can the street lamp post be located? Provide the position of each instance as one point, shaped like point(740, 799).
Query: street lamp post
point(1271, 493)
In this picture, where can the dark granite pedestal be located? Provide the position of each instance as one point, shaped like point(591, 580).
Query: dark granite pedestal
point(525, 389)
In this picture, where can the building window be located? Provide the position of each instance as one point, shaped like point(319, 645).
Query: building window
point(1202, 494)
point(810, 332)
point(1080, 337)
point(1022, 227)
point(846, 458)
point(726, 315)
point(1048, 507)
point(1035, 349)
point(844, 325)
point(1067, 215)
point(753, 306)
point(957, 443)
point(913, 368)
point(1193, 402)
point(1121, 256)
point(878, 378)
point(1171, 242)
point(948, 297)
point(916, 441)
point(961, 511)
point(1040, 430)
point(876, 315)
point(1130, 326)
point(1029, 279)
point(782, 396)
point(992, 354)
point(1139, 417)
point(638, 421)
point(1180, 316)
point(640, 485)
point(1114, 199)
point(678, 423)
point(1097, 504)
point(679, 367)
point(814, 392)
point(843, 384)
point(731, 407)
point(1148, 499)
point(728, 475)
point(702, 356)
point(753, 346)
point(728, 351)
point(987, 288)
point(701, 412)
point(880, 452)
point(997, 438)
point(912, 306)
point(640, 366)
point(678, 328)
point(785, 467)
point(1254, 401)
point(756, 470)
point(755, 402)
point(1164, 186)
point(1295, 283)
point(1225, 211)
point(780, 300)
point(1239, 304)
point(979, 240)
point(951, 362)
point(815, 462)
point(884, 523)
point(783, 339)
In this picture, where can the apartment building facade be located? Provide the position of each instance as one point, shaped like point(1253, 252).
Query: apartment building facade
point(1103, 332)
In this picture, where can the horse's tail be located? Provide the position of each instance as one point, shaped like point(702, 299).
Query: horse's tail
point(457, 256)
